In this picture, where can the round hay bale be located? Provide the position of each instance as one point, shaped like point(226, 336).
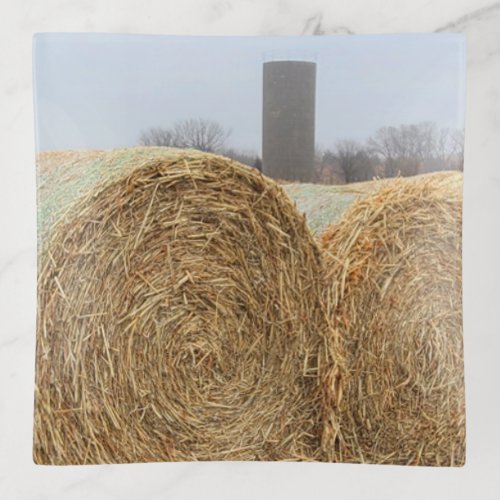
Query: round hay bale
point(394, 285)
point(180, 318)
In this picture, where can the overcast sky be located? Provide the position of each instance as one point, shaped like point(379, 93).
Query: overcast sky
point(96, 91)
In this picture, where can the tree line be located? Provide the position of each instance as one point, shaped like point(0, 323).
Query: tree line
point(402, 150)
point(405, 150)
point(201, 134)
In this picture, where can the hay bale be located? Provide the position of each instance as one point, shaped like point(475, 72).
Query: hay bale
point(394, 272)
point(180, 318)
point(63, 176)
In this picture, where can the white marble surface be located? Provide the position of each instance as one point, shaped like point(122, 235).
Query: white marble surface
point(480, 478)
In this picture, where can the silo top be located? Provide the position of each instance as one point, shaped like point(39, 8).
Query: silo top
point(290, 63)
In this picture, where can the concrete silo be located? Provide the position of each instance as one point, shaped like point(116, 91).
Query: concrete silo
point(288, 115)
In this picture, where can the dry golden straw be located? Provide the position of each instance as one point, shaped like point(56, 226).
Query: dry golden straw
point(394, 272)
point(180, 318)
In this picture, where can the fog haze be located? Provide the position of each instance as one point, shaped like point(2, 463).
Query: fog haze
point(98, 91)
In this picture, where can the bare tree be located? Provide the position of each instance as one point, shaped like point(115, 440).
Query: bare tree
point(246, 157)
point(354, 161)
point(157, 136)
point(257, 164)
point(321, 167)
point(457, 142)
point(442, 148)
point(195, 133)
point(198, 133)
point(328, 169)
point(403, 149)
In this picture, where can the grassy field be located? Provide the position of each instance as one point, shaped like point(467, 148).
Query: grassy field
point(324, 204)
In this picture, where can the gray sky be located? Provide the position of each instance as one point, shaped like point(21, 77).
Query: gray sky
point(100, 91)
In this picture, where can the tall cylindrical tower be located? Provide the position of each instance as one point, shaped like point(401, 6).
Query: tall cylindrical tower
point(288, 115)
